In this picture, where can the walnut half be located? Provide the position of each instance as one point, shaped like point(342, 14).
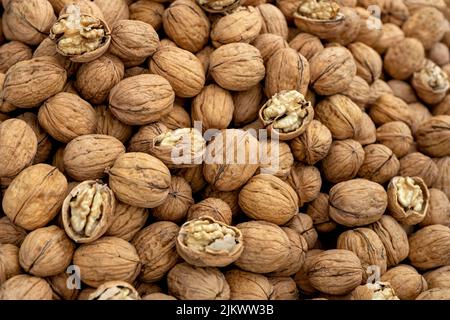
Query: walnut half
point(374, 291)
point(319, 9)
point(206, 242)
point(115, 290)
point(216, 6)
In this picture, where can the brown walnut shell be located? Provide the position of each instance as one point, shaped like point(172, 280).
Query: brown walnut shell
point(397, 136)
point(150, 12)
point(433, 136)
point(406, 281)
point(404, 58)
point(306, 181)
point(284, 288)
point(273, 20)
point(214, 208)
point(368, 62)
point(246, 285)
point(438, 209)
point(306, 44)
point(11, 233)
point(435, 294)
point(246, 105)
point(438, 278)
point(13, 52)
point(127, 221)
point(389, 108)
point(319, 211)
point(443, 178)
point(25, 287)
point(9, 262)
point(108, 124)
point(380, 163)
point(304, 226)
point(115, 290)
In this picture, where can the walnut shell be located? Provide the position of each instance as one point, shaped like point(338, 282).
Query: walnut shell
point(186, 282)
point(46, 252)
point(13, 52)
point(359, 91)
point(25, 287)
point(438, 209)
point(273, 20)
point(433, 136)
point(380, 164)
point(9, 262)
point(158, 296)
point(194, 176)
point(439, 54)
point(108, 124)
point(182, 69)
point(11, 233)
point(237, 66)
point(303, 225)
point(268, 44)
point(306, 44)
point(214, 208)
point(306, 182)
point(115, 290)
point(431, 83)
point(278, 202)
point(319, 211)
point(61, 291)
point(55, 111)
point(419, 114)
point(390, 34)
point(335, 271)
point(150, 12)
point(404, 58)
point(248, 286)
point(107, 259)
point(113, 10)
point(406, 281)
point(378, 88)
point(143, 140)
point(301, 277)
point(246, 105)
point(403, 90)
point(266, 247)
point(284, 288)
point(137, 108)
point(18, 147)
point(140, 180)
point(127, 221)
point(35, 196)
point(343, 160)
point(230, 197)
point(438, 278)
point(397, 136)
point(156, 246)
point(88, 156)
point(435, 294)
point(178, 118)
point(443, 178)
point(389, 108)
point(370, 27)
point(368, 62)
point(177, 202)
point(357, 202)
point(276, 158)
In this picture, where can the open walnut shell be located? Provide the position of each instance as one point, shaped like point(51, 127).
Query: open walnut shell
point(431, 83)
point(321, 18)
point(408, 199)
point(115, 290)
point(79, 36)
point(374, 291)
point(218, 6)
point(205, 242)
point(87, 211)
point(287, 114)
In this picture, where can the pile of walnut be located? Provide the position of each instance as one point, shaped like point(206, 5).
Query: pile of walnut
point(96, 98)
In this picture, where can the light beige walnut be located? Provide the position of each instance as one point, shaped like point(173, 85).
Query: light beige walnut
point(127, 221)
point(147, 11)
point(9, 262)
point(214, 208)
point(115, 290)
point(13, 52)
point(246, 285)
point(406, 281)
point(108, 124)
point(26, 287)
point(374, 291)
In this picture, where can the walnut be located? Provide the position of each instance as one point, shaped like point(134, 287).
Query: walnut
point(319, 211)
point(178, 118)
point(266, 197)
point(276, 158)
point(341, 116)
point(357, 202)
point(435, 294)
point(390, 35)
point(433, 135)
point(443, 108)
point(350, 28)
point(297, 248)
point(370, 27)
point(140, 180)
point(439, 54)
point(419, 113)
point(395, 12)
point(61, 291)
point(273, 20)
point(203, 55)
point(80, 36)
point(137, 108)
point(404, 58)
point(46, 252)
point(143, 140)
point(284, 288)
point(303, 225)
point(335, 272)
point(214, 208)
point(127, 221)
point(9, 262)
point(306, 181)
point(301, 277)
point(213, 107)
point(388, 108)
point(306, 44)
point(374, 291)
point(443, 178)
point(343, 160)
point(237, 66)
point(108, 124)
point(379, 88)
point(396, 136)
point(406, 281)
point(359, 91)
point(158, 296)
point(429, 247)
point(11, 233)
point(194, 176)
point(242, 25)
point(88, 211)
point(368, 61)
point(431, 83)
point(438, 278)
point(107, 259)
point(286, 70)
point(403, 90)
point(218, 6)
point(150, 12)
point(177, 202)
point(156, 246)
point(181, 68)
point(35, 196)
point(29, 83)
point(246, 105)
point(380, 164)
point(230, 197)
point(438, 209)
point(332, 70)
point(186, 282)
point(13, 52)
point(266, 247)
point(115, 290)
point(25, 287)
point(248, 286)
point(18, 147)
point(113, 10)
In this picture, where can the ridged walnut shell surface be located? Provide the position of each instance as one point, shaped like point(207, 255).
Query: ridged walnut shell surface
point(433, 136)
point(248, 286)
point(127, 221)
point(25, 287)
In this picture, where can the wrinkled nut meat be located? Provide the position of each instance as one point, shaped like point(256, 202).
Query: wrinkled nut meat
point(205, 242)
point(287, 114)
point(218, 6)
point(115, 290)
point(375, 291)
point(88, 211)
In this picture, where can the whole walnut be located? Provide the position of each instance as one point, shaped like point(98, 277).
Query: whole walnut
point(156, 247)
point(95, 79)
point(150, 12)
point(113, 10)
point(29, 83)
point(368, 62)
point(18, 147)
point(439, 54)
point(241, 25)
point(127, 221)
point(11, 233)
point(419, 114)
point(25, 287)
point(187, 282)
point(286, 70)
point(21, 21)
point(284, 288)
point(177, 203)
point(137, 108)
point(143, 139)
point(380, 163)
point(319, 211)
point(303, 225)
point(46, 252)
point(417, 164)
point(35, 196)
point(140, 180)
point(306, 44)
point(389, 108)
point(359, 91)
point(390, 34)
point(266, 247)
point(429, 247)
point(301, 278)
point(343, 160)
point(403, 90)
point(54, 112)
point(107, 259)
point(306, 181)
point(366, 244)
point(213, 107)
point(404, 58)
point(341, 116)
point(443, 107)
point(13, 52)
point(438, 278)
point(443, 178)
point(108, 124)
point(277, 204)
point(335, 271)
point(433, 136)
point(9, 262)
point(182, 69)
point(396, 12)
point(397, 136)
point(379, 87)
point(226, 175)
point(87, 157)
point(237, 66)
point(313, 145)
point(273, 20)
point(357, 202)
point(438, 210)
point(342, 68)
point(194, 176)
point(276, 158)
point(246, 105)
point(230, 197)
point(370, 27)
point(178, 118)
point(406, 281)
point(246, 285)
point(435, 294)
point(214, 208)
